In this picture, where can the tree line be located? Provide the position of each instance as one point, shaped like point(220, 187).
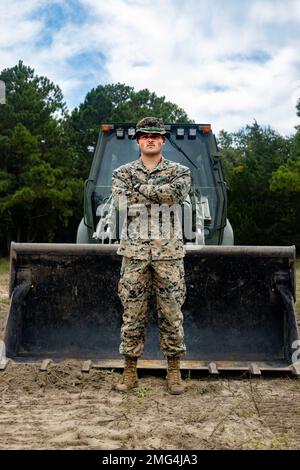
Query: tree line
point(45, 155)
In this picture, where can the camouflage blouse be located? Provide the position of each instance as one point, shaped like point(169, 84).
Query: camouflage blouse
point(150, 201)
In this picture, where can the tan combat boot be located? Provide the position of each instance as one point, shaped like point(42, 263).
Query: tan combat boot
point(129, 378)
point(174, 381)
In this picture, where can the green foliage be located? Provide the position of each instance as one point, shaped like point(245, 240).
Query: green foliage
point(31, 100)
point(287, 177)
point(286, 181)
point(4, 265)
point(261, 174)
point(44, 151)
point(39, 185)
point(116, 103)
point(44, 159)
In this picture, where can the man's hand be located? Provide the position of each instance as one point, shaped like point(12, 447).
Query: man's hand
point(174, 191)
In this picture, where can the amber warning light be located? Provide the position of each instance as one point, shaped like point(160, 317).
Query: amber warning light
point(106, 127)
point(206, 128)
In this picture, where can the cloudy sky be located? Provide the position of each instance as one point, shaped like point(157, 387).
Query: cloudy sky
point(226, 62)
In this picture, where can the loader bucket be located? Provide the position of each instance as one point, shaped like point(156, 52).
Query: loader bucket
point(239, 311)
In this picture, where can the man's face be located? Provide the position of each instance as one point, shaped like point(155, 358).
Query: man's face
point(151, 144)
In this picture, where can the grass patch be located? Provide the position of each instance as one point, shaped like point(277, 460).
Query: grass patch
point(4, 265)
point(283, 442)
point(141, 392)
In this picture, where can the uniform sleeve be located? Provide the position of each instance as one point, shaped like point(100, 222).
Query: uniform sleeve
point(122, 191)
point(173, 192)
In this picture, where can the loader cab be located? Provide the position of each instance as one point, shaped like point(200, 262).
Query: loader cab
point(115, 147)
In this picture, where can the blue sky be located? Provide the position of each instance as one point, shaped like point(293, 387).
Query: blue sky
point(226, 62)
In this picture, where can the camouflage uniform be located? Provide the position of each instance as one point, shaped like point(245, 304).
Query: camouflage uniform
point(151, 262)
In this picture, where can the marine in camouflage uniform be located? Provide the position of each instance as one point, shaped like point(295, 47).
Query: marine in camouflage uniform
point(152, 259)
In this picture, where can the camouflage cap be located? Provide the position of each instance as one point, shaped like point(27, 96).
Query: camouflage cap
point(151, 125)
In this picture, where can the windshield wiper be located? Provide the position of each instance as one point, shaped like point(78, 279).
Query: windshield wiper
point(176, 146)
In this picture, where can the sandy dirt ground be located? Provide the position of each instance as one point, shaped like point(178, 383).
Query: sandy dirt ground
point(64, 408)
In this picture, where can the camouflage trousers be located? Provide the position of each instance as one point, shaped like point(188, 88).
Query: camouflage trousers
point(138, 278)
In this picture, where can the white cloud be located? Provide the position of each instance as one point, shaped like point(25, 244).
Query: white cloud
point(275, 11)
point(222, 61)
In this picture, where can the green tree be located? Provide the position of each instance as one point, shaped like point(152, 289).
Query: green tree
point(39, 184)
point(287, 176)
point(258, 215)
point(286, 182)
point(115, 103)
point(45, 153)
point(31, 100)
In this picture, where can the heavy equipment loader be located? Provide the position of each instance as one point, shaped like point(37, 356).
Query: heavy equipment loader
point(239, 312)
